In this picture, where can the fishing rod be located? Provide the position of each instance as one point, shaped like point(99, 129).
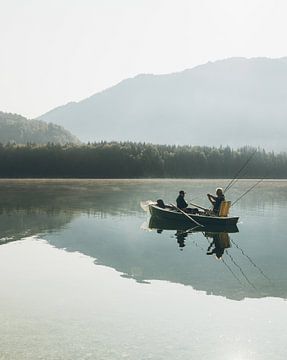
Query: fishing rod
point(246, 192)
point(235, 178)
point(235, 181)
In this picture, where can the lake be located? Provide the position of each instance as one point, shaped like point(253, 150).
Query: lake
point(85, 277)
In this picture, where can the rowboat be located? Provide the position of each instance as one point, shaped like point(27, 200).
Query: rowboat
point(159, 223)
point(171, 214)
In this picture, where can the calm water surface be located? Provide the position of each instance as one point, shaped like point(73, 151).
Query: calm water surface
point(84, 276)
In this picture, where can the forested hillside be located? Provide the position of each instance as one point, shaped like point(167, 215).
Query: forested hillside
point(137, 160)
point(17, 129)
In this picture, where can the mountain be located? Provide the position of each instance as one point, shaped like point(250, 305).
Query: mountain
point(18, 129)
point(234, 102)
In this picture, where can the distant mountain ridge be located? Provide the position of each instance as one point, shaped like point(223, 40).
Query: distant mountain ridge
point(234, 102)
point(17, 129)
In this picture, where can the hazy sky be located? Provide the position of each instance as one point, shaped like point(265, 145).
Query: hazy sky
point(56, 51)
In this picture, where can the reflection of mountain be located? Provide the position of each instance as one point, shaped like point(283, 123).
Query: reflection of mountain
point(104, 220)
point(156, 256)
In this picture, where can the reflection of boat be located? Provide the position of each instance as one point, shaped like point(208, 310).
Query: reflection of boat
point(218, 234)
point(163, 224)
point(170, 214)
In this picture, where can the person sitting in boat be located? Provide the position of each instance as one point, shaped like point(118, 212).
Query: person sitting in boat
point(183, 205)
point(180, 201)
point(216, 200)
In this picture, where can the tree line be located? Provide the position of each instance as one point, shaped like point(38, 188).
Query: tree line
point(136, 160)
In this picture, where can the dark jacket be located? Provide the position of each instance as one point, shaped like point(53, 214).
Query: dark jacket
point(180, 202)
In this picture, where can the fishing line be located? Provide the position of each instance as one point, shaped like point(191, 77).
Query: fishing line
point(232, 259)
point(251, 261)
point(231, 271)
point(246, 192)
point(231, 183)
point(227, 266)
point(234, 182)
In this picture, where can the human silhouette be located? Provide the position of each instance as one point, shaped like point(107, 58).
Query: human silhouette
point(221, 241)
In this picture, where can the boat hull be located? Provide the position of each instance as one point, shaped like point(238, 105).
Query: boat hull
point(162, 224)
point(180, 218)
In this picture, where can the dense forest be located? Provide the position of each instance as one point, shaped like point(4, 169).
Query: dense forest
point(17, 129)
point(137, 160)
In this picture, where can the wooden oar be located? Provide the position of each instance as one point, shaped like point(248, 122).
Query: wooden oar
point(189, 217)
point(200, 207)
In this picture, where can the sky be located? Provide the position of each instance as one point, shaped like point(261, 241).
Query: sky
point(57, 51)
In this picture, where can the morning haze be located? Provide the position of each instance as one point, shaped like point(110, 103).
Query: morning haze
point(236, 101)
point(114, 242)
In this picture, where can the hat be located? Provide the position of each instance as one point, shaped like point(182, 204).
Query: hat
point(182, 192)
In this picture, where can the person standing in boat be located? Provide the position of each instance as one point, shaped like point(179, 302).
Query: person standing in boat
point(216, 200)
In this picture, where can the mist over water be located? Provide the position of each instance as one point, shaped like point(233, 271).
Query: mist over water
point(85, 276)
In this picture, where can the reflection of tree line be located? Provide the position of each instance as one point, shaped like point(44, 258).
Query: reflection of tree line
point(26, 212)
point(30, 209)
point(135, 160)
point(92, 202)
point(147, 260)
point(16, 224)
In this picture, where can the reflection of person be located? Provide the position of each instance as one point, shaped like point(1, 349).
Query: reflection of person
point(220, 242)
point(216, 200)
point(181, 235)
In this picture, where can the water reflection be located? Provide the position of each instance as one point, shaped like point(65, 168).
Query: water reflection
point(220, 242)
point(180, 235)
point(218, 245)
point(102, 220)
point(219, 235)
point(117, 243)
point(16, 224)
